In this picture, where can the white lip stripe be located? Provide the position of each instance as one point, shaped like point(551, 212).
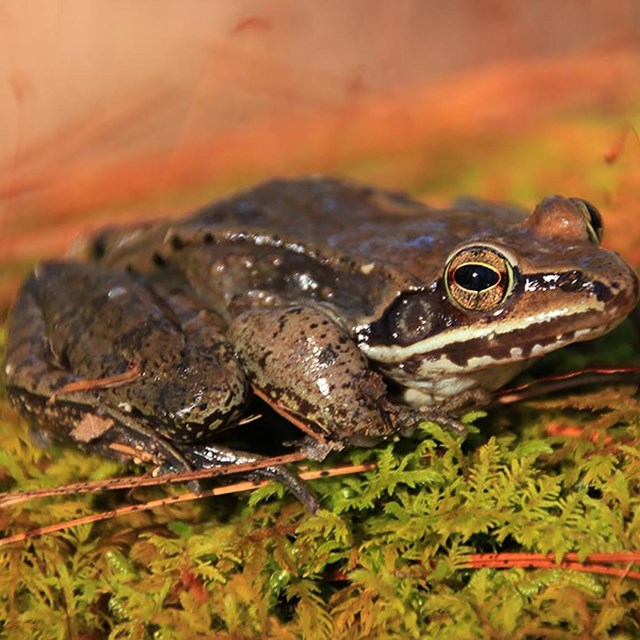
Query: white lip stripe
point(461, 335)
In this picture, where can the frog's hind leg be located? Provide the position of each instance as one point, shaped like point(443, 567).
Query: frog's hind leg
point(36, 379)
point(91, 412)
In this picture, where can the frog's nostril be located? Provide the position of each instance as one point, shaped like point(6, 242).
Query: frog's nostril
point(158, 259)
point(99, 248)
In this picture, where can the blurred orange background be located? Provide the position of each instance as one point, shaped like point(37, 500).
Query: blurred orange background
point(116, 111)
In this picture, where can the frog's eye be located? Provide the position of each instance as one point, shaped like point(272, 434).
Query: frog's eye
point(478, 278)
point(595, 227)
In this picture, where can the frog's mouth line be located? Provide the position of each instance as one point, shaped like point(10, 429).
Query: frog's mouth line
point(468, 342)
point(420, 370)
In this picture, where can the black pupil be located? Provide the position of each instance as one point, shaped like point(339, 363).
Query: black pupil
point(594, 215)
point(475, 277)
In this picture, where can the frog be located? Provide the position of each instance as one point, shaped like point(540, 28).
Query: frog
point(356, 312)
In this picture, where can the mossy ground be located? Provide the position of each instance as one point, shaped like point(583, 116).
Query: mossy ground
point(390, 553)
point(387, 556)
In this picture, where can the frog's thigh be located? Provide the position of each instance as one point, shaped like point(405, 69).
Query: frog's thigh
point(204, 389)
point(309, 366)
point(33, 376)
point(27, 365)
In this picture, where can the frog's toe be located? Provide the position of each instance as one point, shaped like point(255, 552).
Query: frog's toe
point(455, 426)
point(213, 455)
point(315, 449)
point(292, 482)
point(409, 418)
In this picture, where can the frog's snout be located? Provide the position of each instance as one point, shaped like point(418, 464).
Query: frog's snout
point(621, 294)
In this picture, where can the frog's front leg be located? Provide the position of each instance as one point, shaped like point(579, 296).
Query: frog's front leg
point(306, 364)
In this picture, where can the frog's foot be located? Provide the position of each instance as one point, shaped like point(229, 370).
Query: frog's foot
point(446, 421)
point(446, 413)
point(315, 449)
point(213, 455)
point(407, 420)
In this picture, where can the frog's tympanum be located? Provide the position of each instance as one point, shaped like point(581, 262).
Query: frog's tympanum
point(360, 312)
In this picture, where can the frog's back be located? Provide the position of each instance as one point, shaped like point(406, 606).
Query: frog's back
point(341, 219)
point(357, 220)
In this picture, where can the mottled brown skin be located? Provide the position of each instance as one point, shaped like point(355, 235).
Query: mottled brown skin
point(348, 307)
point(332, 372)
point(191, 362)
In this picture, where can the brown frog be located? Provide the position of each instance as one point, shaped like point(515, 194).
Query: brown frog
point(358, 311)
